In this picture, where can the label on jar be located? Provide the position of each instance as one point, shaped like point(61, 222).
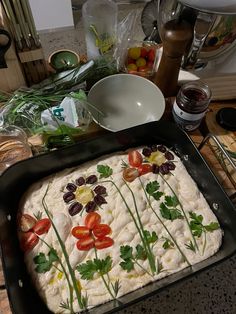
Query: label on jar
point(188, 121)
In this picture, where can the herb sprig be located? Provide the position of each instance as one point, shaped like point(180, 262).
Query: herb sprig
point(197, 227)
point(43, 263)
point(102, 267)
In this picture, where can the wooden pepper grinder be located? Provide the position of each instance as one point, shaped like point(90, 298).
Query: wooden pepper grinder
point(176, 35)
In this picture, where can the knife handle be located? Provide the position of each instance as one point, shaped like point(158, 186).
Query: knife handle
point(176, 35)
point(4, 48)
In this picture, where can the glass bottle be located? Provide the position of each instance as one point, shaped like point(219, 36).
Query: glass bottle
point(191, 105)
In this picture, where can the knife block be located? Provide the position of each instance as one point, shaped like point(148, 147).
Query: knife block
point(12, 77)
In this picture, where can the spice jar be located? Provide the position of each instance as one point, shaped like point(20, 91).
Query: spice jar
point(191, 105)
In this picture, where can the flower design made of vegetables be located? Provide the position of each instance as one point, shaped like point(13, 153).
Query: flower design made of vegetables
point(84, 194)
point(93, 234)
point(156, 159)
point(30, 228)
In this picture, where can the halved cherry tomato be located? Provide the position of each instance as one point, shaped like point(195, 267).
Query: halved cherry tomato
point(130, 174)
point(27, 222)
point(80, 232)
point(144, 168)
point(42, 226)
point(92, 219)
point(85, 244)
point(28, 241)
point(135, 158)
point(100, 231)
point(103, 243)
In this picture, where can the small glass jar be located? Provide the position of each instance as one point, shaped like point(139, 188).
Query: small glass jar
point(191, 105)
point(13, 146)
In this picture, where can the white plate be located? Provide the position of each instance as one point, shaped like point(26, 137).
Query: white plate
point(122, 101)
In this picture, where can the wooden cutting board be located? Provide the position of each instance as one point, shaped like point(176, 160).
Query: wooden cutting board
point(226, 138)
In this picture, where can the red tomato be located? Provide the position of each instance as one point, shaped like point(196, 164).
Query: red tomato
point(144, 168)
point(130, 174)
point(144, 52)
point(151, 55)
point(135, 158)
point(80, 232)
point(92, 219)
point(42, 226)
point(100, 231)
point(143, 69)
point(27, 222)
point(28, 241)
point(85, 244)
point(103, 243)
point(150, 64)
point(130, 60)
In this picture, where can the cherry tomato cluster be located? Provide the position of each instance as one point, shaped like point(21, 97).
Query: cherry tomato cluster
point(140, 60)
point(93, 234)
point(30, 229)
point(138, 168)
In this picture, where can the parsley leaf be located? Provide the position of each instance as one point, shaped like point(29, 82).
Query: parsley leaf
point(212, 226)
point(171, 201)
point(167, 244)
point(151, 238)
point(104, 170)
point(141, 254)
point(197, 226)
point(87, 270)
point(129, 259)
point(152, 189)
point(126, 252)
point(170, 213)
point(44, 264)
point(102, 266)
point(127, 265)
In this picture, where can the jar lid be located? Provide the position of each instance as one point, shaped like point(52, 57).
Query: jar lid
point(226, 118)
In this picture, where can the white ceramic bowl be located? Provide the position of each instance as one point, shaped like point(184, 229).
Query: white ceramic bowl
point(122, 101)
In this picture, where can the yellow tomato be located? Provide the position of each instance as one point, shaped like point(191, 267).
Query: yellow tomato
point(134, 52)
point(140, 62)
point(132, 67)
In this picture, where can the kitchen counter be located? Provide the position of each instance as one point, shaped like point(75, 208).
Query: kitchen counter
point(210, 291)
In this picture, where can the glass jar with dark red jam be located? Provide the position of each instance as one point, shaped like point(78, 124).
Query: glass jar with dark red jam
point(191, 105)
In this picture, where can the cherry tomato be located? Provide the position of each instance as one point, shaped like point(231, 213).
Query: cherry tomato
point(151, 55)
point(150, 64)
point(144, 52)
point(42, 226)
point(92, 219)
point(28, 241)
point(135, 158)
point(103, 243)
point(85, 244)
point(130, 60)
point(144, 168)
point(130, 174)
point(80, 232)
point(27, 222)
point(100, 231)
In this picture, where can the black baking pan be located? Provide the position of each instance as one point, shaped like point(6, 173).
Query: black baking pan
point(16, 179)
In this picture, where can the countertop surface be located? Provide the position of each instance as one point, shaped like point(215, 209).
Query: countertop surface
point(210, 291)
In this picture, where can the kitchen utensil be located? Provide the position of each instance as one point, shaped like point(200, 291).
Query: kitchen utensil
point(121, 101)
point(22, 27)
point(17, 179)
point(4, 47)
point(214, 34)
